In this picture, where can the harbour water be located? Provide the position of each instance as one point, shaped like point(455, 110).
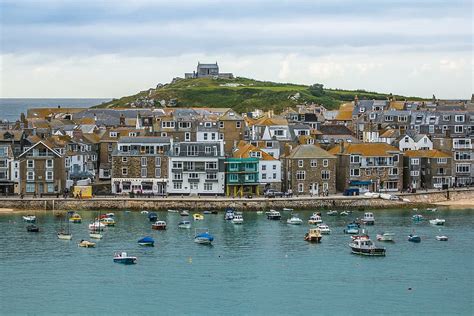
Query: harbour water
point(260, 267)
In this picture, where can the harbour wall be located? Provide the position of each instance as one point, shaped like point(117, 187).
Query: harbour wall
point(421, 199)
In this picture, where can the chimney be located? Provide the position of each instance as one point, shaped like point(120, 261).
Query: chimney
point(95, 117)
point(122, 119)
point(341, 145)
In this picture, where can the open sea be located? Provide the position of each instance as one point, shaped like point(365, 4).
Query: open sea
point(262, 267)
point(11, 108)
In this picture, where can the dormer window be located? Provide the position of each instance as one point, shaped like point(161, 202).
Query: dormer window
point(113, 134)
point(208, 124)
point(361, 110)
point(459, 118)
point(388, 118)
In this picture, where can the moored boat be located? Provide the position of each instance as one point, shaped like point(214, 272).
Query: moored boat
point(146, 241)
point(29, 218)
point(202, 236)
point(32, 228)
point(122, 257)
point(366, 247)
point(198, 217)
point(75, 218)
point(294, 220)
point(159, 225)
point(368, 218)
point(437, 221)
point(313, 235)
point(184, 224)
point(86, 244)
point(344, 213)
point(332, 213)
point(173, 211)
point(96, 234)
point(315, 219)
point(152, 217)
point(286, 209)
point(144, 212)
point(442, 238)
point(414, 238)
point(352, 228)
point(64, 235)
point(184, 213)
point(97, 225)
point(324, 229)
point(238, 219)
point(385, 237)
point(108, 221)
point(417, 217)
point(273, 215)
point(229, 214)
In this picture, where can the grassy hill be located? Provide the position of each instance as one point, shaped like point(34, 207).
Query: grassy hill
point(241, 94)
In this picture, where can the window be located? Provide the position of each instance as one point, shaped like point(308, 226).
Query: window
point(441, 171)
point(300, 175)
point(177, 165)
point(157, 162)
point(238, 124)
point(164, 134)
point(143, 172)
point(431, 129)
point(446, 118)
point(264, 176)
point(415, 161)
point(124, 171)
point(187, 136)
point(300, 187)
point(325, 174)
point(144, 161)
point(255, 154)
point(30, 187)
point(204, 135)
point(211, 176)
point(264, 167)
point(459, 118)
point(211, 165)
point(49, 175)
point(184, 124)
point(458, 129)
point(30, 163)
point(207, 150)
point(3, 163)
point(168, 124)
point(177, 185)
point(124, 159)
point(402, 118)
point(274, 167)
point(157, 172)
point(30, 176)
point(208, 186)
point(221, 124)
point(462, 155)
point(355, 159)
point(193, 175)
point(415, 173)
point(279, 132)
point(193, 186)
point(49, 163)
point(113, 134)
point(192, 150)
point(109, 147)
point(463, 168)
point(395, 158)
point(274, 176)
point(393, 171)
point(442, 160)
point(300, 163)
point(389, 118)
point(177, 176)
point(325, 163)
point(221, 136)
point(355, 172)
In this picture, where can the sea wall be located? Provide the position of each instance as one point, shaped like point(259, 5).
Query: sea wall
point(201, 203)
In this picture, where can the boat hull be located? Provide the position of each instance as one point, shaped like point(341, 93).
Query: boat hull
point(130, 260)
point(274, 217)
point(184, 226)
point(414, 239)
point(368, 252)
point(65, 236)
point(202, 241)
point(158, 227)
point(96, 235)
point(315, 239)
point(32, 229)
point(147, 244)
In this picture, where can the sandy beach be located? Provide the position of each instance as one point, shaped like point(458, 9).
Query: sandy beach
point(6, 210)
point(457, 203)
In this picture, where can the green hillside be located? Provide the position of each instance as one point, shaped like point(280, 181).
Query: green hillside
point(241, 94)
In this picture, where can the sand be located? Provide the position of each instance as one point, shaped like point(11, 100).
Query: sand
point(457, 203)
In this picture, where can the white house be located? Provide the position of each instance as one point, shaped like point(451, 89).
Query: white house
point(416, 142)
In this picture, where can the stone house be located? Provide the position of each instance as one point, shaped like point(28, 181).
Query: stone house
point(9, 171)
point(462, 152)
point(309, 170)
point(427, 169)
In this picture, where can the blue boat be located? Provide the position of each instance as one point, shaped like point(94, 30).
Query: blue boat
point(146, 241)
point(203, 237)
point(122, 257)
point(152, 217)
point(414, 238)
point(352, 228)
point(417, 217)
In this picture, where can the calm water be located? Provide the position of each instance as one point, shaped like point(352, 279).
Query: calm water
point(261, 267)
point(11, 108)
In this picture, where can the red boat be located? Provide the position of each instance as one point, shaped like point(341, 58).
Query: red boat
point(159, 225)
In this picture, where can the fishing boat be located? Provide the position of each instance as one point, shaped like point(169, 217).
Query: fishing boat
point(108, 221)
point(442, 238)
point(294, 220)
point(414, 238)
point(352, 228)
point(202, 236)
point(29, 218)
point(366, 247)
point(417, 217)
point(146, 241)
point(152, 217)
point(184, 224)
point(238, 219)
point(437, 221)
point(368, 218)
point(198, 217)
point(315, 219)
point(32, 228)
point(229, 214)
point(97, 225)
point(324, 229)
point(144, 212)
point(332, 213)
point(273, 215)
point(286, 209)
point(86, 244)
point(122, 257)
point(75, 218)
point(184, 213)
point(159, 225)
point(313, 235)
point(385, 237)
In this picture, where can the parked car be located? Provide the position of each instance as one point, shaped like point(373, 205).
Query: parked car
point(273, 193)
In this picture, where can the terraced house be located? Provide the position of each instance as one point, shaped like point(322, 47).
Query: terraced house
point(427, 169)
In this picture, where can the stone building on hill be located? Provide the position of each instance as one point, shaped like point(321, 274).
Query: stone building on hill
point(208, 71)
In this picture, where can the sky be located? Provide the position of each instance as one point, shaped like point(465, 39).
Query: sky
point(104, 48)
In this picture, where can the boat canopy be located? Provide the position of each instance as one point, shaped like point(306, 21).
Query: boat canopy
point(146, 239)
point(205, 235)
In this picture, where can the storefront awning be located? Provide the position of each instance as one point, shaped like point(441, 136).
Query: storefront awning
point(357, 182)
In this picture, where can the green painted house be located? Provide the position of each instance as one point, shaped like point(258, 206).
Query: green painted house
point(241, 175)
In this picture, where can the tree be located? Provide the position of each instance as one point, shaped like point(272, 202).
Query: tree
point(316, 89)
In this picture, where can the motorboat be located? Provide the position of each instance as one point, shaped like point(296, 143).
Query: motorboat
point(417, 217)
point(64, 235)
point(366, 247)
point(286, 209)
point(32, 228)
point(442, 238)
point(146, 241)
point(332, 213)
point(238, 219)
point(198, 217)
point(29, 218)
point(352, 228)
point(210, 212)
point(159, 225)
point(229, 214)
point(433, 209)
point(173, 211)
point(184, 224)
point(97, 226)
point(259, 212)
point(75, 218)
point(437, 221)
point(315, 219)
point(385, 237)
point(144, 212)
point(324, 229)
point(414, 238)
point(95, 234)
point(360, 235)
point(368, 218)
point(202, 236)
point(184, 213)
point(108, 221)
point(313, 235)
point(122, 257)
point(86, 244)
point(294, 220)
point(207, 212)
point(344, 213)
point(273, 215)
point(152, 217)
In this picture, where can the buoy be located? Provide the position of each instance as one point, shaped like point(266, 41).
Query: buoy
point(190, 260)
point(409, 289)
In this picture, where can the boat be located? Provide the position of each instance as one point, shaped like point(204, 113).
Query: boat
point(86, 244)
point(437, 221)
point(385, 237)
point(442, 238)
point(122, 257)
point(75, 218)
point(173, 211)
point(286, 209)
point(198, 217)
point(97, 226)
point(414, 238)
point(95, 234)
point(352, 228)
point(259, 212)
point(313, 235)
point(159, 225)
point(366, 247)
point(110, 215)
point(29, 218)
point(332, 213)
point(368, 218)
point(152, 217)
point(238, 219)
point(146, 241)
point(344, 213)
point(361, 235)
point(184, 224)
point(273, 215)
point(417, 217)
point(64, 235)
point(229, 214)
point(324, 229)
point(32, 228)
point(144, 212)
point(108, 221)
point(294, 220)
point(207, 212)
point(315, 219)
point(202, 236)
point(184, 213)
point(433, 209)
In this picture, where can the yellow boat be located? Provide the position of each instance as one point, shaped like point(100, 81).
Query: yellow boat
point(75, 218)
point(198, 217)
point(108, 221)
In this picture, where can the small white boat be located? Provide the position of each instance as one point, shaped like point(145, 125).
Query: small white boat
point(238, 219)
point(332, 213)
point(184, 213)
point(368, 218)
point(29, 218)
point(294, 220)
point(344, 213)
point(259, 212)
point(285, 209)
point(173, 211)
point(417, 217)
point(385, 237)
point(434, 209)
point(315, 219)
point(64, 236)
point(437, 221)
point(184, 224)
point(273, 215)
point(96, 226)
point(110, 215)
point(159, 225)
point(122, 257)
point(144, 212)
point(96, 235)
point(442, 238)
point(324, 229)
